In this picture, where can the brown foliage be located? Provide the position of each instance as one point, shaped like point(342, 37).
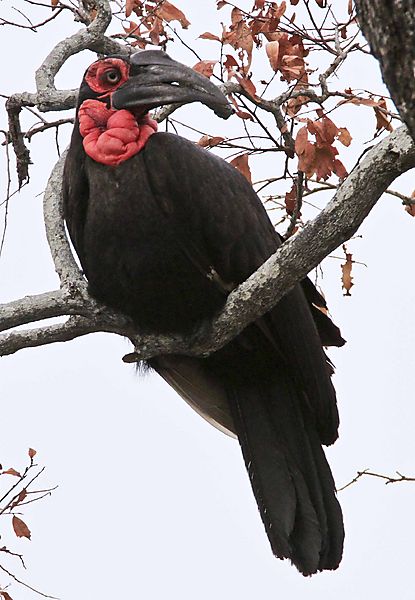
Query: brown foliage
point(241, 163)
point(319, 158)
point(207, 141)
point(347, 279)
point(205, 67)
point(239, 36)
point(286, 55)
point(20, 528)
point(153, 15)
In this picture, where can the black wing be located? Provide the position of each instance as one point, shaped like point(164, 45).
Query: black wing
point(221, 224)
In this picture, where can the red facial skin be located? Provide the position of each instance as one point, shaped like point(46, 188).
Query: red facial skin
point(96, 75)
point(111, 136)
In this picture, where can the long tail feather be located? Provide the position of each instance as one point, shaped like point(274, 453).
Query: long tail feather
point(289, 474)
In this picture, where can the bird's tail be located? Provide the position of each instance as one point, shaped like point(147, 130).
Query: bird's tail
point(289, 473)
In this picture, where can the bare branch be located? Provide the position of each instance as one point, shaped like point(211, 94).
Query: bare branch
point(47, 97)
point(299, 255)
point(386, 478)
point(26, 585)
point(62, 332)
point(65, 264)
point(38, 307)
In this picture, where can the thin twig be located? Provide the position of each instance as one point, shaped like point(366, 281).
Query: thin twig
point(26, 585)
point(387, 478)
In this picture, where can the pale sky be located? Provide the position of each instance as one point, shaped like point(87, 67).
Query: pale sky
point(153, 502)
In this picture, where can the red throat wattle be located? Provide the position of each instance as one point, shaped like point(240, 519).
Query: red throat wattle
point(112, 136)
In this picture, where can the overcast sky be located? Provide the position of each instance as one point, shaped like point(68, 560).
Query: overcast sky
point(153, 502)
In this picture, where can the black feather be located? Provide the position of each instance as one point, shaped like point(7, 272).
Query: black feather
point(163, 237)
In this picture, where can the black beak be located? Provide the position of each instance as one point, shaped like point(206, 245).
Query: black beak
point(156, 79)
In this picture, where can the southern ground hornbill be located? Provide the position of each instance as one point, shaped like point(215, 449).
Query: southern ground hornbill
point(163, 230)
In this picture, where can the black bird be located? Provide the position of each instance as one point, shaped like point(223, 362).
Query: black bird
point(164, 230)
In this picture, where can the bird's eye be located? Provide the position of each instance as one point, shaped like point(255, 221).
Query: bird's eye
point(112, 76)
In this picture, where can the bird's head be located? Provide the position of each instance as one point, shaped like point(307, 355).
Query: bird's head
point(117, 92)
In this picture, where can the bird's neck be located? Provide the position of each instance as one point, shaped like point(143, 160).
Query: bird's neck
point(110, 136)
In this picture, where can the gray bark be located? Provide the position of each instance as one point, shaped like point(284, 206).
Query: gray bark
point(352, 202)
point(300, 254)
point(389, 27)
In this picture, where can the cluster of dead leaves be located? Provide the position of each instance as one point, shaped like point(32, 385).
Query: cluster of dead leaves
point(319, 158)
point(383, 118)
point(19, 526)
point(16, 495)
point(153, 14)
point(286, 55)
point(285, 52)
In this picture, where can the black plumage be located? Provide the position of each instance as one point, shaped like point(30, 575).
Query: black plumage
point(163, 237)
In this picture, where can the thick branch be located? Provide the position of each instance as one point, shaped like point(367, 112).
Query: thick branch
point(65, 264)
point(73, 328)
point(299, 255)
point(390, 30)
point(38, 307)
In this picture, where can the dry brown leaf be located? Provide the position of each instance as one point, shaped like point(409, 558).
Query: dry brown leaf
point(130, 6)
point(239, 36)
point(286, 54)
point(209, 36)
point(339, 169)
point(5, 595)
point(382, 121)
point(132, 27)
point(268, 23)
point(347, 279)
point(246, 84)
point(54, 4)
point(241, 163)
point(205, 67)
point(318, 158)
point(169, 12)
point(295, 104)
point(323, 128)
point(31, 453)
point(206, 141)
point(291, 200)
point(22, 495)
point(11, 471)
point(344, 136)
point(242, 114)
point(410, 208)
point(156, 31)
point(20, 528)
point(357, 100)
point(272, 49)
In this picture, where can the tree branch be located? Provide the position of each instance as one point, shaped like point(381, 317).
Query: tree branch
point(299, 255)
point(390, 30)
point(47, 97)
